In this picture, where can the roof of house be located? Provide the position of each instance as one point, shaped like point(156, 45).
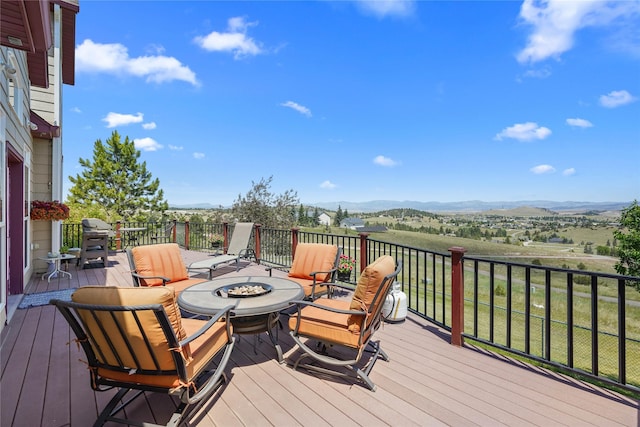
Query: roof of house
point(26, 25)
point(352, 222)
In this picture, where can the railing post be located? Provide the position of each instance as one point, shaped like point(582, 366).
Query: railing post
point(257, 229)
point(294, 241)
point(186, 234)
point(174, 232)
point(225, 236)
point(118, 236)
point(457, 295)
point(364, 253)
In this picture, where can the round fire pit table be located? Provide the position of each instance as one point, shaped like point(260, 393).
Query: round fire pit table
point(258, 301)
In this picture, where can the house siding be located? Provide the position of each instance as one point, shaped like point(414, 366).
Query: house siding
point(42, 100)
point(16, 134)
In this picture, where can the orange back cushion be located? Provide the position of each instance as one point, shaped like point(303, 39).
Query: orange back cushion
point(311, 257)
point(115, 296)
point(368, 285)
point(159, 260)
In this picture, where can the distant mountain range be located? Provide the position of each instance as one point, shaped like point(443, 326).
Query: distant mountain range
point(464, 206)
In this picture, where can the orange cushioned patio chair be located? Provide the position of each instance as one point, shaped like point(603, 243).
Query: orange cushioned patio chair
point(345, 326)
point(135, 340)
point(314, 267)
point(159, 265)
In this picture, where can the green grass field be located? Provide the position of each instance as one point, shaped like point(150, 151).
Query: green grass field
point(422, 299)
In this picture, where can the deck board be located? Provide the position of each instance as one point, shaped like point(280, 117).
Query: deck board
point(426, 382)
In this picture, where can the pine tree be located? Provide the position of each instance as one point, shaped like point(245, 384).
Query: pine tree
point(316, 217)
point(115, 180)
point(302, 216)
point(628, 242)
point(338, 217)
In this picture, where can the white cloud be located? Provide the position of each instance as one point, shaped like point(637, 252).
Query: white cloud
point(76, 110)
point(299, 108)
point(524, 132)
point(175, 147)
point(328, 185)
point(555, 22)
point(540, 169)
point(616, 98)
point(149, 126)
point(235, 40)
point(113, 58)
point(581, 123)
point(197, 155)
point(568, 172)
point(384, 161)
point(117, 119)
point(147, 144)
point(541, 73)
point(382, 8)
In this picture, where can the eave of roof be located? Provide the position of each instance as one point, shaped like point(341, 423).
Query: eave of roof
point(26, 25)
point(43, 129)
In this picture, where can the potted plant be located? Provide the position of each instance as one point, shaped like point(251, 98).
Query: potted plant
point(346, 264)
point(215, 240)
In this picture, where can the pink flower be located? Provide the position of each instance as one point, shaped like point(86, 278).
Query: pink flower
point(48, 211)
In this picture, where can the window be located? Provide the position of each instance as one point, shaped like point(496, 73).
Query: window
point(16, 90)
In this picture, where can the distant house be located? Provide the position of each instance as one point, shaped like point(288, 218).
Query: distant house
point(352, 223)
point(324, 219)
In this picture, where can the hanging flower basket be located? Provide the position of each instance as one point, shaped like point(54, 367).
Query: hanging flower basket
point(49, 211)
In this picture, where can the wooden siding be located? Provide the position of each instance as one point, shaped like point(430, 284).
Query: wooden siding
point(42, 99)
point(427, 381)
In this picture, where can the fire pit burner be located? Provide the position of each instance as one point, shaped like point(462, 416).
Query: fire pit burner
point(246, 290)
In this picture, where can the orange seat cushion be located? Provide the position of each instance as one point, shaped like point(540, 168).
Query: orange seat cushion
point(368, 285)
point(326, 325)
point(159, 260)
point(312, 257)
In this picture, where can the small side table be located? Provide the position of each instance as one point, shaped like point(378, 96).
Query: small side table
point(56, 265)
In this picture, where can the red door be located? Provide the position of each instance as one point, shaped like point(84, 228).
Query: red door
point(15, 223)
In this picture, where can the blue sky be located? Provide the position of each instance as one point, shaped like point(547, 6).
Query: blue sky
point(358, 100)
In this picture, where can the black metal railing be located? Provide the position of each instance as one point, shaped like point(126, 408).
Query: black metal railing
point(579, 321)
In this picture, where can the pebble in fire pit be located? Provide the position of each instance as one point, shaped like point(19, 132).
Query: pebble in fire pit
point(247, 290)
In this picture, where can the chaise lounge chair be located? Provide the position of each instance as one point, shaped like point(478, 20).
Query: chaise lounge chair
point(166, 236)
point(238, 248)
point(134, 339)
point(345, 327)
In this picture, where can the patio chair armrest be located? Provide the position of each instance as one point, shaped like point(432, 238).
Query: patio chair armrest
point(165, 280)
point(313, 273)
point(225, 312)
point(300, 304)
point(270, 269)
point(342, 286)
point(247, 253)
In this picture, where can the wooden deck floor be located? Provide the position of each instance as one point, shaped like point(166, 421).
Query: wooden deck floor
point(427, 381)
